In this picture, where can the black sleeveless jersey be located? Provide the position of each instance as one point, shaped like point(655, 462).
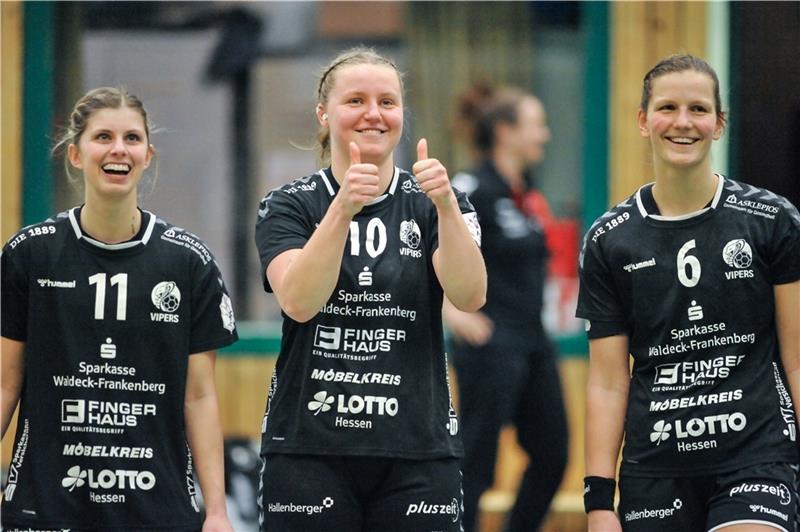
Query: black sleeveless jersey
point(368, 374)
point(108, 330)
point(695, 295)
point(513, 245)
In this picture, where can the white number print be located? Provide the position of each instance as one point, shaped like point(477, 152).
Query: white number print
point(119, 280)
point(375, 238)
point(688, 265)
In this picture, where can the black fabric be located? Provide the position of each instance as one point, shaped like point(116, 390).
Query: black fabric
point(513, 248)
point(708, 391)
point(509, 382)
point(359, 494)
point(108, 331)
point(598, 493)
point(762, 494)
point(368, 374)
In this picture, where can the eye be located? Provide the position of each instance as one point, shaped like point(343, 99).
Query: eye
point(387, 102)
point(354, 101)
point(699, 108)
point(102, 136)
point(667, 107)
point(133, 137)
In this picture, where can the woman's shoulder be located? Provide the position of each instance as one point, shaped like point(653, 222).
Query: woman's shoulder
point(39, 233)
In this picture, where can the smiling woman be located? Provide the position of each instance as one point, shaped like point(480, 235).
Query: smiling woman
point(107, 280)
point(359, 256)
point(702, 290)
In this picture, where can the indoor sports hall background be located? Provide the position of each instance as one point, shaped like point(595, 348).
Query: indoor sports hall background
point(231, 87)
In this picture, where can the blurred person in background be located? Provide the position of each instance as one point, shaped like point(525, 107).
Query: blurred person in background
point(697, 278)
point(110, 319)
point(505, 362)
point(360, 433)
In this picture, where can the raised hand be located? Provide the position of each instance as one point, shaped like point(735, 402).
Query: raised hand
point(360, 183)
point(432, 177)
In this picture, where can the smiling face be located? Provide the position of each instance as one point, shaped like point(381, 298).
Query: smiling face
point(364, 106)
point(681, 120)
point(112, 152)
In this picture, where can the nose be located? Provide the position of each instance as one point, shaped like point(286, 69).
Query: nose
point(373, 111)
point(682, 118)
point(118, 146)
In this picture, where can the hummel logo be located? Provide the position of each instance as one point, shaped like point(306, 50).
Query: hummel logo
point(47, 283)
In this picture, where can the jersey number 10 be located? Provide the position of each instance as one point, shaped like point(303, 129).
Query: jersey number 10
point(119, 280)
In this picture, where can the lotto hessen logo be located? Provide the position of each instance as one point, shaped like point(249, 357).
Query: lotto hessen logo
point(354, 404)
point(696, 427)
point(424, 508)
point(122, 479)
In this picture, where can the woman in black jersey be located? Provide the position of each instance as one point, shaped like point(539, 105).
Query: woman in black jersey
point(110, 319)
point(697, 277)
point(360, 432)
point(506, 365)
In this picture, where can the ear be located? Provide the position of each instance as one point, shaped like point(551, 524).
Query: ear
point(322, 116)
point(641, 119)
point(502, 133)
point(720, 127)
point(74, 156)
point(151, 151)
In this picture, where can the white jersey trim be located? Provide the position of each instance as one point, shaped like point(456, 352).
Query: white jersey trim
point(390, 191)
point(326, 181)
point(76, 227)
point(714, 202)
point(748, 522)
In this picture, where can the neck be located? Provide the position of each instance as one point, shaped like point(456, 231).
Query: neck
point(678, 192)
point(111, 222)
point(340, 165)
point(510, 168)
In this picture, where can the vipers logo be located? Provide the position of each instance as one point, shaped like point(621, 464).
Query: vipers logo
point(411, 236)
point(737, 254)
point(166, 296)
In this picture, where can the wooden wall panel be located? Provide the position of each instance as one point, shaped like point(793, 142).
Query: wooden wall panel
point(10, 111)
point(11, 144)
point(643, 33)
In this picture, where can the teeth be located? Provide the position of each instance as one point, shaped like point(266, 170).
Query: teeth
point(372, 131)
point(682, 140)
point(117, 167)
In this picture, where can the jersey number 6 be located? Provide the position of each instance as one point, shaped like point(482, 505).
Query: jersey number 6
point(688, 265)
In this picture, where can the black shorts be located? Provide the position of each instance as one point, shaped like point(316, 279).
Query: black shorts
point(763, 494)
point(308, 493)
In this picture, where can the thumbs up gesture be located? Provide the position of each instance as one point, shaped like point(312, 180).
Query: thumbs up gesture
point(360, 183)
point(432, 177)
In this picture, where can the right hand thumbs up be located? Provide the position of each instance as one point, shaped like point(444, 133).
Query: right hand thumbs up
point(360, 183)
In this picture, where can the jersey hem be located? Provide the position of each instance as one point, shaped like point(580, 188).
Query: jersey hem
point(629, 471)
point(379, 453)
point(214, 344)
point(22, 523)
